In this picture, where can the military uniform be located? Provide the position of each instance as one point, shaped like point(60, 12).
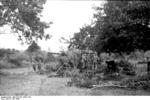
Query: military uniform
point(84, 61)
point(34, 66)
point(95, 61)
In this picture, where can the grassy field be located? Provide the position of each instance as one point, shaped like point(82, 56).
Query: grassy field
point(18, 83)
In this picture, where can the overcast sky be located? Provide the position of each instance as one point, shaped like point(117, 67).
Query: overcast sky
point(67, 17)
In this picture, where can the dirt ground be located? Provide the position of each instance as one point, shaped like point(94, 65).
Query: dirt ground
point(22, 81)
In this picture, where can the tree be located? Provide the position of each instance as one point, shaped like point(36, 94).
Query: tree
point(120, 26)
point(23, 16)
point(123, 26)
point(33, 47)
point(83, 39)
point(33, 51)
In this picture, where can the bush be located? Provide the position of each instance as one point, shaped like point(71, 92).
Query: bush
point(67, 61)
point(6, 64)
point(13, 60)
point(113, 77)
point(81, 81)
point(141, 82)
point(126, 67)
point(17, 58)
point(85, 79)
point(73, 57)
point(51, 67)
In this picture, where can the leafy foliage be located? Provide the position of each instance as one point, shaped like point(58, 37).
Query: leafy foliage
point(23, 16)
point(126, 67)
point(83, 39)
point(11, 58)
point(140, 82)
point(17, 58)
point(81, 79)
point(6, 64)
point(51, 67)
point(125, 24)
point(71, 57)
point(120, 26)
point(33, 47)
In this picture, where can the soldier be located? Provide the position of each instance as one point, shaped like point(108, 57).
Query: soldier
point(84, 61)
point(34, 66)
point(39, 64)
point(90, 60)
point(95, 61)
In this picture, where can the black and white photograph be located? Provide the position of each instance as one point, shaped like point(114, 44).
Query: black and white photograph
point(74, 48)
